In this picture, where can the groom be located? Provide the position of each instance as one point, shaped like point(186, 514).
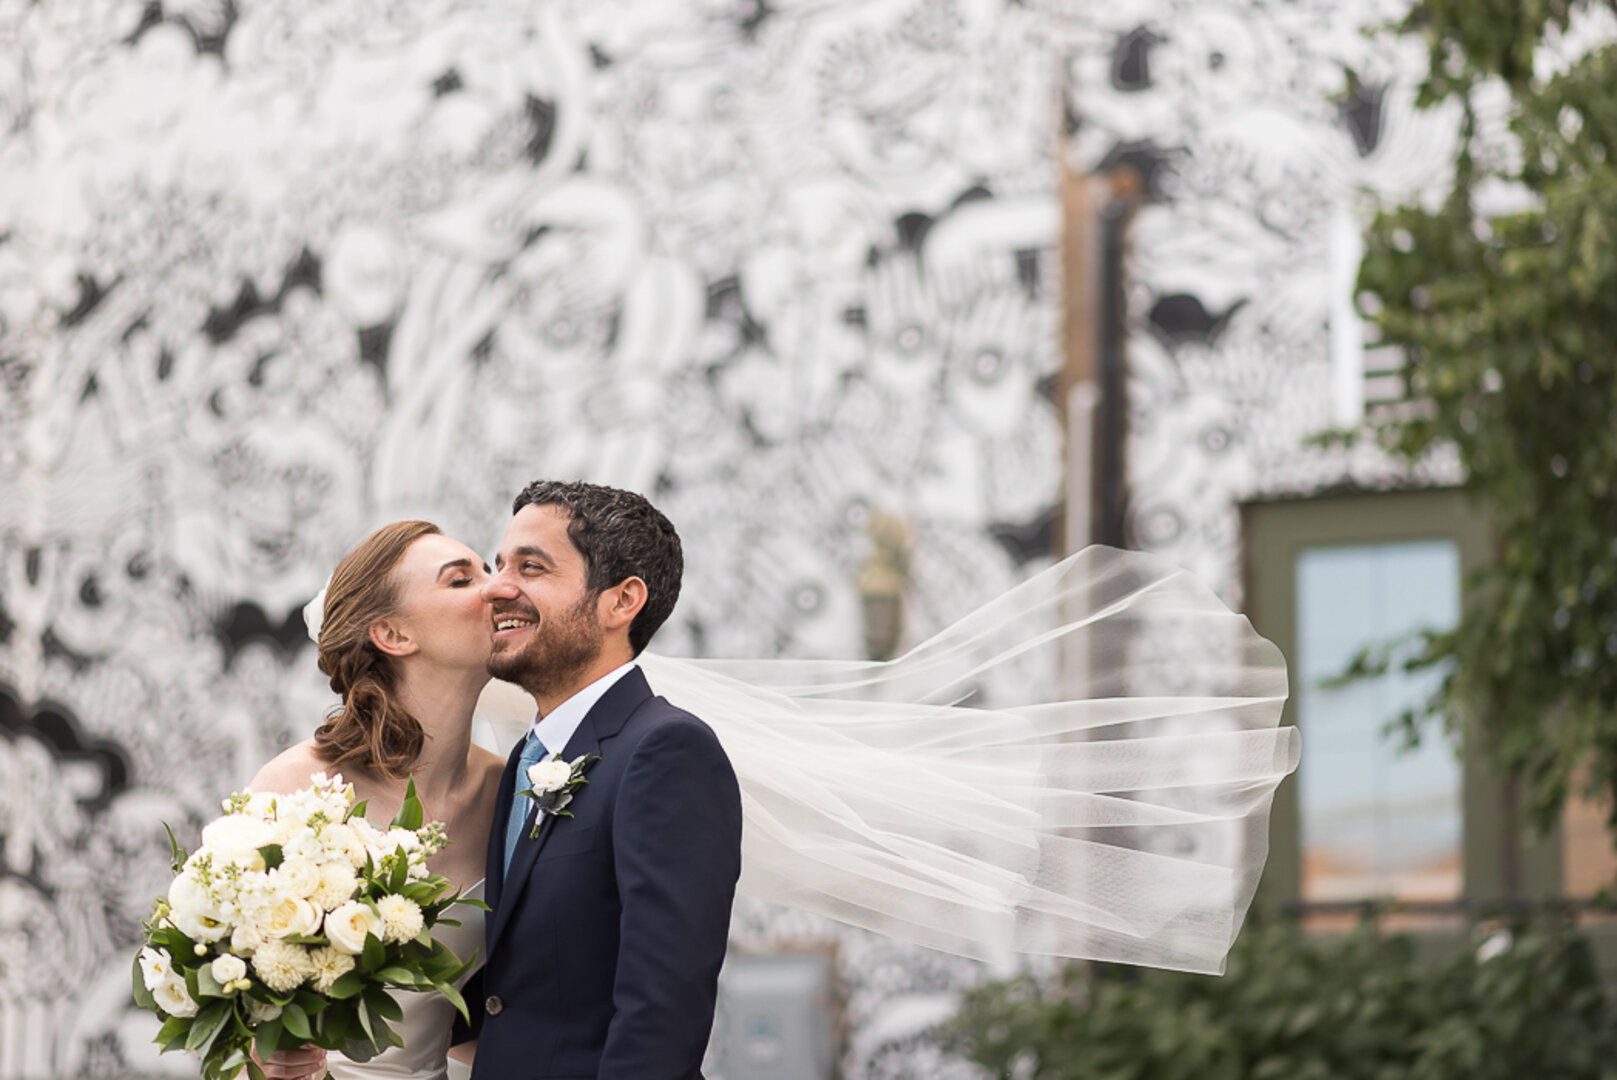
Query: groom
point(608, 927)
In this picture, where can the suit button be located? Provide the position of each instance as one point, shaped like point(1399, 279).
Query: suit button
point(493, 1006)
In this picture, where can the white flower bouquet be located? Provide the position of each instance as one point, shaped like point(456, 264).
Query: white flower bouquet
point(290, 924)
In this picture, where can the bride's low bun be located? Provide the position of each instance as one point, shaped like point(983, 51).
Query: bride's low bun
point(371, 729)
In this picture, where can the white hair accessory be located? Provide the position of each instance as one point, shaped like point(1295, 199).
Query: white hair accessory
point(314, 611)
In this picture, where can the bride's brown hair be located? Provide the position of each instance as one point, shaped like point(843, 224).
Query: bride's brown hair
point(371, 729)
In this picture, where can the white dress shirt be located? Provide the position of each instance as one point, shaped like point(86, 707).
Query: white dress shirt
point(556, 729)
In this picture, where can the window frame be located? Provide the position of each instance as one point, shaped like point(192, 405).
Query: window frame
point(1274, 534)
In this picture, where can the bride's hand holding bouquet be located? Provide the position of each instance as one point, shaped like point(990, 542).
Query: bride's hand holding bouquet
point(289, 926)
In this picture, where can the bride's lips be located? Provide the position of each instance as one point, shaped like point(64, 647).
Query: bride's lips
point(510, 625)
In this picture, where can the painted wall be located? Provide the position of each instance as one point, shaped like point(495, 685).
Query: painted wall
point(274, 273)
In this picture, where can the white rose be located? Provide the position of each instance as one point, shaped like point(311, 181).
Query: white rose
point(246, 940)
point(156, 967)
point(547, 776)
point(300, 877)
point(236, 838)
point(197, 914)
point(292, 915)
point(173, 998)
point(227, 969)
point(347, 926)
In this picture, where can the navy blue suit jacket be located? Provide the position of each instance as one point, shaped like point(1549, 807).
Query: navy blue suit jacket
point(604, 945)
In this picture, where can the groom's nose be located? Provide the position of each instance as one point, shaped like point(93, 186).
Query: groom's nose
point(499, 587)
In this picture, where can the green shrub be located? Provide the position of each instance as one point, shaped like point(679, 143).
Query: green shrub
point(1294, 1007)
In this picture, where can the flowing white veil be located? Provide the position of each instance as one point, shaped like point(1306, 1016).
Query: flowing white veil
point(950, 799)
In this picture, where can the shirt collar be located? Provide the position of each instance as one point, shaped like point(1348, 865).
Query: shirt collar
point(555, 729)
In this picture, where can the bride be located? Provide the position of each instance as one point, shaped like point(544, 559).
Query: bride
point(404, 638)
point(945, 798)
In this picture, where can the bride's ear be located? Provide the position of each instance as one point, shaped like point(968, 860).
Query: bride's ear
point(391, 638)
point(619, 605)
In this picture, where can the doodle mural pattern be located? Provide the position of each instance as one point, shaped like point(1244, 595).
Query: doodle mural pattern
point(1264, 133)
point(273, 273)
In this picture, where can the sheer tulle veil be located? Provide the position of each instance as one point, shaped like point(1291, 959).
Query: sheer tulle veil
point(1082, 767)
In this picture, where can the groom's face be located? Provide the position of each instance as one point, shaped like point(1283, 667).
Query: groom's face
point(546, 630)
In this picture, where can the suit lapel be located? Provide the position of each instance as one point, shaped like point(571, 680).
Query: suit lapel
point(494, 868)
point(600, 724)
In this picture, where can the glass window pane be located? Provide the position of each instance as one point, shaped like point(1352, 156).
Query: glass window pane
point(1376, 822)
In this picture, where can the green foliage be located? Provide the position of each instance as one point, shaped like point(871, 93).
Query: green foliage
point(1356, 1007)
point(1506, 312)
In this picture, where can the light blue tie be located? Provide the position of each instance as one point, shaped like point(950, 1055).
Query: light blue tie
point(531, 753)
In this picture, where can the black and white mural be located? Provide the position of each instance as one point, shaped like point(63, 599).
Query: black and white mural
point(272, 274)
point(1264, 133)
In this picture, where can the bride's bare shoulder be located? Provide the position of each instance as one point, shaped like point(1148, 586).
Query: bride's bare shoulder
point(290, 769)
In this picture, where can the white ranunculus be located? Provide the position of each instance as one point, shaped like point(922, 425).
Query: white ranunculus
point(198, 915)
point(401, 838)
point(173, 998)
point(292, 915)
point(547, 776)
point(227, 969)
point(236, 838)
point(347, 926)
point(300, 877)
point(156, 967)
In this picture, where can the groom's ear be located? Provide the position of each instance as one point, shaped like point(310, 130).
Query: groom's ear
point(618, 605)
point(391, 638)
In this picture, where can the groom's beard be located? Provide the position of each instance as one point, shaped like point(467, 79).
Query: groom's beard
point(556, 652)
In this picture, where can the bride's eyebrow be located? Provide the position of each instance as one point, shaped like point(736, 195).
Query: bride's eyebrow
point(463, 564)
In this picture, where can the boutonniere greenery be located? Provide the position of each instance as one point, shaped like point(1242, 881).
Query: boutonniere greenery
point(552, 784)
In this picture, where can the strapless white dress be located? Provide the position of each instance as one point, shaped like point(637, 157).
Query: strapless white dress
point(428, 1017)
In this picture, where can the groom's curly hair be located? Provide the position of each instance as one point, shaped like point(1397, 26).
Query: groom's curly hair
point(621, 535)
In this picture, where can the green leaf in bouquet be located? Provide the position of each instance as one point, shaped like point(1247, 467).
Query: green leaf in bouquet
point(272, 856)
point(267, 1036)
point(172, 1035)
point(306, 939)
point(358, 809)
point(401, 871)
point(374, 955)
point(177, 855)
point(143, 996)
point(297, 1022)
point(205, 1028)
point(454, 997)
point(311, 1003)
point(346, 986)
point(410, 816)
point(365, 1022)
point(207, 985)
point(381, 1003)
point(399, 976)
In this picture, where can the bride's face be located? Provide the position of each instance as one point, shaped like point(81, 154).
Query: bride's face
point(440, 584)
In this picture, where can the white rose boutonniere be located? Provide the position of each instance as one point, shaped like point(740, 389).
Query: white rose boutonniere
point(553, 783)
